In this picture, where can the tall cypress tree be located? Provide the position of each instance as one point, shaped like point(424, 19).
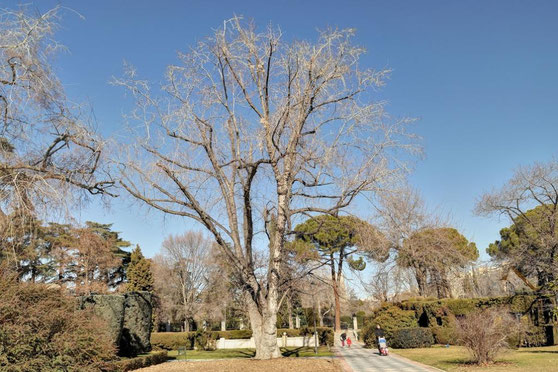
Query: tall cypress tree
point(140, 277)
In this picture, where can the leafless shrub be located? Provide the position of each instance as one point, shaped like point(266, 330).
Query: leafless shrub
point(485, 333)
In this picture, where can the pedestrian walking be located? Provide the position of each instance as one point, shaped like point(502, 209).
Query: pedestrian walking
point(349, 342)
point(343, 338)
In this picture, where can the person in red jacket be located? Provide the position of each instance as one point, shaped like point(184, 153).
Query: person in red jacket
point(349, 342)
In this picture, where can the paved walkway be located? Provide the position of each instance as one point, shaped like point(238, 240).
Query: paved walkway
point(359, 359)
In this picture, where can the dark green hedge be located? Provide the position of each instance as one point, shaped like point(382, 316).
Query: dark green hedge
point(410, 338)
point(444, 335)
point(437, 310)
point(290, 332)
point(172, 340)
point(141, 361)
point(440, 316)
point(390, 318)
point(325, 335)
point(234, 334)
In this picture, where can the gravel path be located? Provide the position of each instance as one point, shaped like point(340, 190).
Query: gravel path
point(250, 365)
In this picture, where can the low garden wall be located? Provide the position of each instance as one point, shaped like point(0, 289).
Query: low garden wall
point(237, 339)
point(302, 341)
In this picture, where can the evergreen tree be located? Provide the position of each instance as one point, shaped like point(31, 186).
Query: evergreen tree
point(335, 241)
point(140, 277)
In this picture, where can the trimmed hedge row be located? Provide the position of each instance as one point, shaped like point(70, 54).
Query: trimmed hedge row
point(172, 340)
point(444, 335)
point(141, 361)
point(440, 316)
point(440, 308)
point(390, 318)
point(410, 338)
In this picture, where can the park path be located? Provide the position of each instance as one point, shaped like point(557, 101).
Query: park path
point(359, 359)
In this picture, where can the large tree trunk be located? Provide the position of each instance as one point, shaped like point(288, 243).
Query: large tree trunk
point(263, 308)
point(420, 276)
point(337, 306)
point(264, 330)
point(335, 284)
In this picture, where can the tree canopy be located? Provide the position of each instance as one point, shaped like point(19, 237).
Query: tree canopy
point(432, 253)
point(334, 241)
point(525, 245)
point(530, 200)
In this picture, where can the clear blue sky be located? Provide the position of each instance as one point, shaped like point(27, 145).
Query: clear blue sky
point(482, 76)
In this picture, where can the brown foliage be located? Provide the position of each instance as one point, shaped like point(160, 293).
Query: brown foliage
point(485, 333)
point(42, 330)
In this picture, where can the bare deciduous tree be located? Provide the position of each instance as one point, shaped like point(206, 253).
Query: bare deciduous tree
point(47, 153)
point(185, 264)
point(247, 126)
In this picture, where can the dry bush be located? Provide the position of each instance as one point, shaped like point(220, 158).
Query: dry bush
point(485, 333)
point(42, 330)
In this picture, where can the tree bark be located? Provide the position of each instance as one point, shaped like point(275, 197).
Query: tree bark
point(420, 277)
point(264, 331)
point(334, 283)
point(337, 306)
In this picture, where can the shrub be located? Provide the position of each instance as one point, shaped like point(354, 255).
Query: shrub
point(234, 334)
point(141, 361)
point(290, 332)
point(485, 333)
point(42, 330)
point(205, 340)
point(172, 340)
point(410, 338)
point(531, 336)
point(444, 335)
point(347, 320)
point(325, 335)
point(390, 318)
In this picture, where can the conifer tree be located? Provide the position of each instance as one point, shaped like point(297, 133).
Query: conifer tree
point(140, 277)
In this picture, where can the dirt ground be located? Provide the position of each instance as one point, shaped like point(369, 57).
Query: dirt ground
point(249, 365)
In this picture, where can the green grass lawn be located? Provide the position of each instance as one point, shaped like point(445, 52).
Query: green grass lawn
point(456, 359)
point(292, 352)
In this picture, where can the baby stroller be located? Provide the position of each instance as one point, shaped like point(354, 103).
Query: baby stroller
point(382, 346)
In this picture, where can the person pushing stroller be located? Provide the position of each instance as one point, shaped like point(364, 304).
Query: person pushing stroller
point(380, 337)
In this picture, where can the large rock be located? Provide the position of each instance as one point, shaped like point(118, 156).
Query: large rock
point(128, 316)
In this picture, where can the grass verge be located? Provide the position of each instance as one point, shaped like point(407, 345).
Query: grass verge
point(456, 359)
